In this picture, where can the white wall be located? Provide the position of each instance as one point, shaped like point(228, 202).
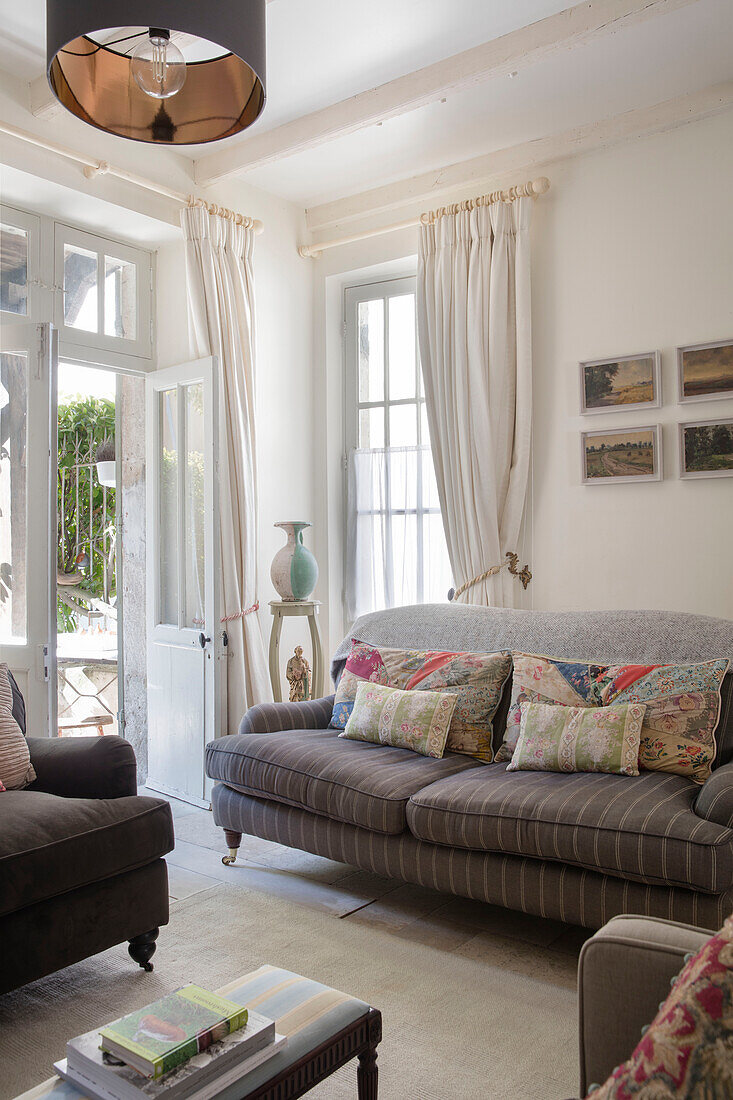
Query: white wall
point(632, 251)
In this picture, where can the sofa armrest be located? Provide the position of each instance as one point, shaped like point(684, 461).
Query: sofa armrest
point(83, 767)
point(714, 800)
point(313, 714)
point(623, 974)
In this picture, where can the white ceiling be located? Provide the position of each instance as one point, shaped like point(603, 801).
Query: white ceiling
point(323, 51)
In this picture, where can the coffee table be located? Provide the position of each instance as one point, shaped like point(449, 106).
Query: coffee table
point(325, 1030)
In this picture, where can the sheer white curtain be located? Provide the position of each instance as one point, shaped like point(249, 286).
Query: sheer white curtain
point(474, 325)
point(220, 283)
point(395, 546)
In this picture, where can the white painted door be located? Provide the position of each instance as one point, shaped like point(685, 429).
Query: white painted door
point(185, 642)
point(28, 364)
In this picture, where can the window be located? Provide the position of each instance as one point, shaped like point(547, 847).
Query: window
point(105, 292)
point(396, 551)
point(19, 237)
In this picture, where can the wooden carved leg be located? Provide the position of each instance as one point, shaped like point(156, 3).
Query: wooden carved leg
point(142, 948)
point(367, 1074)
point(233, 841)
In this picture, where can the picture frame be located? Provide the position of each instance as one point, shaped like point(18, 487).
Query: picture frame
point(621, 383)
point(718, 461)
point(612, 455)
point(705, 371)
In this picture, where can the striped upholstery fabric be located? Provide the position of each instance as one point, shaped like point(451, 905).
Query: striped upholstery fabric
point(307, 1012)
point(643, 828)
point(715, 798)
point(536, 886)
point(351, 781)
point(312, 714)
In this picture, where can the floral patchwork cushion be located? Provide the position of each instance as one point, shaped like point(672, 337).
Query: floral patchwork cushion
point(687, 1051)
point(578, 739)
point(682, 705)
point(416, 720)
point(476, 679)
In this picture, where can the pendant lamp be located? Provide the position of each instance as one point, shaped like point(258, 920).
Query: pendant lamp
point(180, 72)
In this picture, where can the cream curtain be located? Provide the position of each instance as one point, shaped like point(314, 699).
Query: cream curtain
point(473, 305)
point(220, 284)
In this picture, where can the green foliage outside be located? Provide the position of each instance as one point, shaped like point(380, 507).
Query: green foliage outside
point(82, 425)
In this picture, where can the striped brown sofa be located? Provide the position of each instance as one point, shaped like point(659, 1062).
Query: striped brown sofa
point(580, 848)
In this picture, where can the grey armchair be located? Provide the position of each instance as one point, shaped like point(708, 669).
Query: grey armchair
point(623, 974)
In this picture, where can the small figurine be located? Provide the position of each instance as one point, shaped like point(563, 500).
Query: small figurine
point(298, 675)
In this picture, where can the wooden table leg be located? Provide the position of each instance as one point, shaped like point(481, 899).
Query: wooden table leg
point(317, 688)
point(367, 1074)
point(277, 625)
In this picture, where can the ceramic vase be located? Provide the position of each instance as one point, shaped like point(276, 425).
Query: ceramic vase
point(294, 570)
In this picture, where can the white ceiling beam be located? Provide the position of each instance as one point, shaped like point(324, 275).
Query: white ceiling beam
point(565, 30)
point(520, 160)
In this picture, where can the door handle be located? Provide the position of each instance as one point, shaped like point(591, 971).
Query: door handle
point(203, 640)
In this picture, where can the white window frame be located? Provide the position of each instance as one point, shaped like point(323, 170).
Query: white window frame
point(31, 225)
point(353, 296)
point(74, 340)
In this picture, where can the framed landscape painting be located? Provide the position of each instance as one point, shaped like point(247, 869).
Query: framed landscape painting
point(627, 382)
point(705, 371)
point(632, 454)
point(706, 448)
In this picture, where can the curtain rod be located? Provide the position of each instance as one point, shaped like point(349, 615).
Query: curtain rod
point(530, 189)
point(93, 168)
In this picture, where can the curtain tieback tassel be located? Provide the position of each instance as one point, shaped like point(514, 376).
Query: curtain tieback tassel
point(241, 614)
point(524, 575)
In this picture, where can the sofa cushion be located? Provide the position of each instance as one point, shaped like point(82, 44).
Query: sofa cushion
point(641, 827)
point(352, 781)
point(49, 845)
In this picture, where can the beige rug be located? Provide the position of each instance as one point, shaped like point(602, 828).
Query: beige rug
point(494, 1019)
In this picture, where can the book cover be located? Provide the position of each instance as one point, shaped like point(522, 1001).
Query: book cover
point(157, 1038)
point(86, 1068)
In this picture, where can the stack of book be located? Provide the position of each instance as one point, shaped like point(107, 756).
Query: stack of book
point(188, 1046)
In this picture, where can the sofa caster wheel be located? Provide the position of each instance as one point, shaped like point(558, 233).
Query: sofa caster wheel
point(142, 949)
point(233, 840)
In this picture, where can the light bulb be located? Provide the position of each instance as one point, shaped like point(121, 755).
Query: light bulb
point(158, 66)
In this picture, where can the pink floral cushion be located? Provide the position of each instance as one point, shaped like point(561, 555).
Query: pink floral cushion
point(687, 1052)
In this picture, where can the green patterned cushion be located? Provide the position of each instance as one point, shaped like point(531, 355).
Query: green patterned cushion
point(477, 679)
point(579, 739)
point(416, 720)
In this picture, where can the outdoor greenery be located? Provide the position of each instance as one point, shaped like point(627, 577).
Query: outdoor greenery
point(83, 424)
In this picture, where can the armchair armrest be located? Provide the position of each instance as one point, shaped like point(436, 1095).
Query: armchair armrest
point(623, 973)
point(83, 767)
point(714, 800)
point(313, 714)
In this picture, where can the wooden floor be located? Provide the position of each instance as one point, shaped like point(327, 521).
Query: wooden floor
point(442, 921)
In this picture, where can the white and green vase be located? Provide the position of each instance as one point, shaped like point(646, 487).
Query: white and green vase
point(294, 570)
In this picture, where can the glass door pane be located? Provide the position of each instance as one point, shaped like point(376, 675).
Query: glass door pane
point(13, 495)
point(168, 506)
point(193, 507)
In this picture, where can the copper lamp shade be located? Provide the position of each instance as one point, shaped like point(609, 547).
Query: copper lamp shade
point(90, 72)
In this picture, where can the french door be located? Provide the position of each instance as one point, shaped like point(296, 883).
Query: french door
point(185, 641)
point(28, 366)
